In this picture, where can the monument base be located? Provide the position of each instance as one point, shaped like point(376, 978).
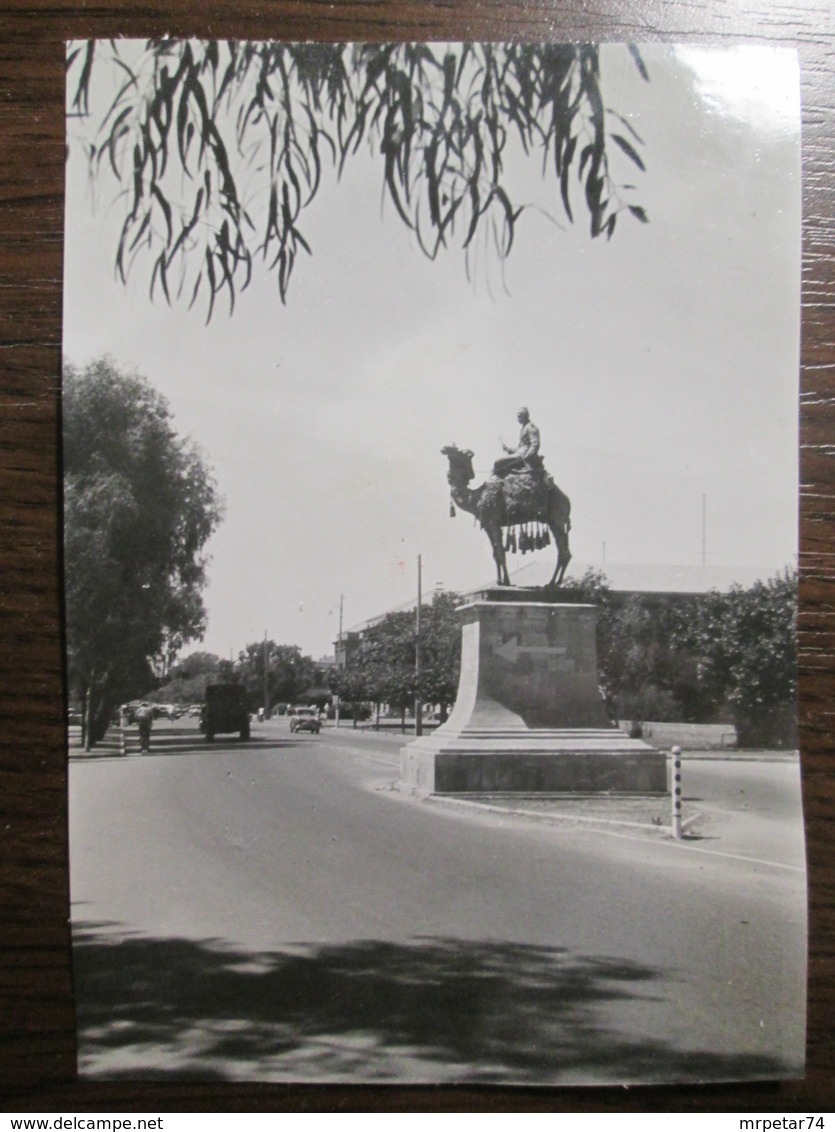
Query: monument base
point(529, 716)
point(557, 762)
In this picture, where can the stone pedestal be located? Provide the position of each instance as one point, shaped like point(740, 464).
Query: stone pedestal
point(529, 716)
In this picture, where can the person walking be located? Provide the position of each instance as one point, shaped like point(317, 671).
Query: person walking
point(145, 719)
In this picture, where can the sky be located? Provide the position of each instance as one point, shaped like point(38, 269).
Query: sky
point(661, 367)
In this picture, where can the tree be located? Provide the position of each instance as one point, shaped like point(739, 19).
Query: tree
point(382, 667)
point(288, 672)
point(745, 641)
point(637, 661)
point(440, 650)
point(195, 664)
point(350, 685)
point(391, 660)
point(139, 507)
point(189, 676)
point(706, 657)
point(219, 147)
point(646, 667)
point(591, 589)
point(227, 672)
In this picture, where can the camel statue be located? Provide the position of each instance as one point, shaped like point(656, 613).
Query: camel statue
point(517, 499)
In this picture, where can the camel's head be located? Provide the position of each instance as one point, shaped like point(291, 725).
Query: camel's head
point(460, 465)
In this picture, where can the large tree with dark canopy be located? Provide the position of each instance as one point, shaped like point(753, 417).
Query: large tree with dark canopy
point(139, 507)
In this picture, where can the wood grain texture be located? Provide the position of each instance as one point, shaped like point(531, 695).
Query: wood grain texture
point(37, 1053)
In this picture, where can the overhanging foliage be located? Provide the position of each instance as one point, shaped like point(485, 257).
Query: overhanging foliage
point(218, 147)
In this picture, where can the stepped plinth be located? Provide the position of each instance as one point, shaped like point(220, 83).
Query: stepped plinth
point(529, 716)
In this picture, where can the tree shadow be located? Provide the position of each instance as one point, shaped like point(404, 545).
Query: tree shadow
point(430, 1009)
point(183, 742)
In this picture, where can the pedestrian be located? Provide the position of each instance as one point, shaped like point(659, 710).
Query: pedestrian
point(145, 718)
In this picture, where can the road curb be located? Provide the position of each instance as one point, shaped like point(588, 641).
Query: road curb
point(556, 816)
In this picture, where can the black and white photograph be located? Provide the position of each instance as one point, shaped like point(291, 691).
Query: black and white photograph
point(429, 442)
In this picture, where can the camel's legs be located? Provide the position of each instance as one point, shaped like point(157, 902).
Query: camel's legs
point(563, 553)
point(499, 556)
point(501, 559)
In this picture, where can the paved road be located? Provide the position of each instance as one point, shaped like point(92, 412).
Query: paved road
point(277, 911)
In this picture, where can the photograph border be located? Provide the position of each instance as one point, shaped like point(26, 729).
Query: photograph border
point(37, 1063)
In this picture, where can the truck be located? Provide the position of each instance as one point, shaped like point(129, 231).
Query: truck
point(224, 710)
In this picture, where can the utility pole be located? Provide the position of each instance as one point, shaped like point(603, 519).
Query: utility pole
point(266, 687)
point(418, 702)
point(338, 657)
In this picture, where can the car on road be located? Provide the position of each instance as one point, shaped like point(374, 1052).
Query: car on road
point(161, 711)
point(128, 711)
point(225, 710)
point(305, 719)
point(167, 711)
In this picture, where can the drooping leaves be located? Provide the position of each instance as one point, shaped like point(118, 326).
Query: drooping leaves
point(219, 147)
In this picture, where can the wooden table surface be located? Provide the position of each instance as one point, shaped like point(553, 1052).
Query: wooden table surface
point(37, 1053)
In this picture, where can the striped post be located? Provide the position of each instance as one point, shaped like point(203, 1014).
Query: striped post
point(675, 793)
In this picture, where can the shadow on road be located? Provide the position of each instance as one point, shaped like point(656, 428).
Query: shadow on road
point(429, 1009)
point(185, 741)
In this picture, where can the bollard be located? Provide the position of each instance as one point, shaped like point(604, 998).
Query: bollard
point(675, 793)
point(123, 726)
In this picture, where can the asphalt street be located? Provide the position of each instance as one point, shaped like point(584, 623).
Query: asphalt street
point(277, 910)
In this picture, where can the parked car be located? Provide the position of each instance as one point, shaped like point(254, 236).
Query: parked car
point(195, 710)
point(166, 711)
point(225, 710)
point(305, 719)
point(129, 710)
